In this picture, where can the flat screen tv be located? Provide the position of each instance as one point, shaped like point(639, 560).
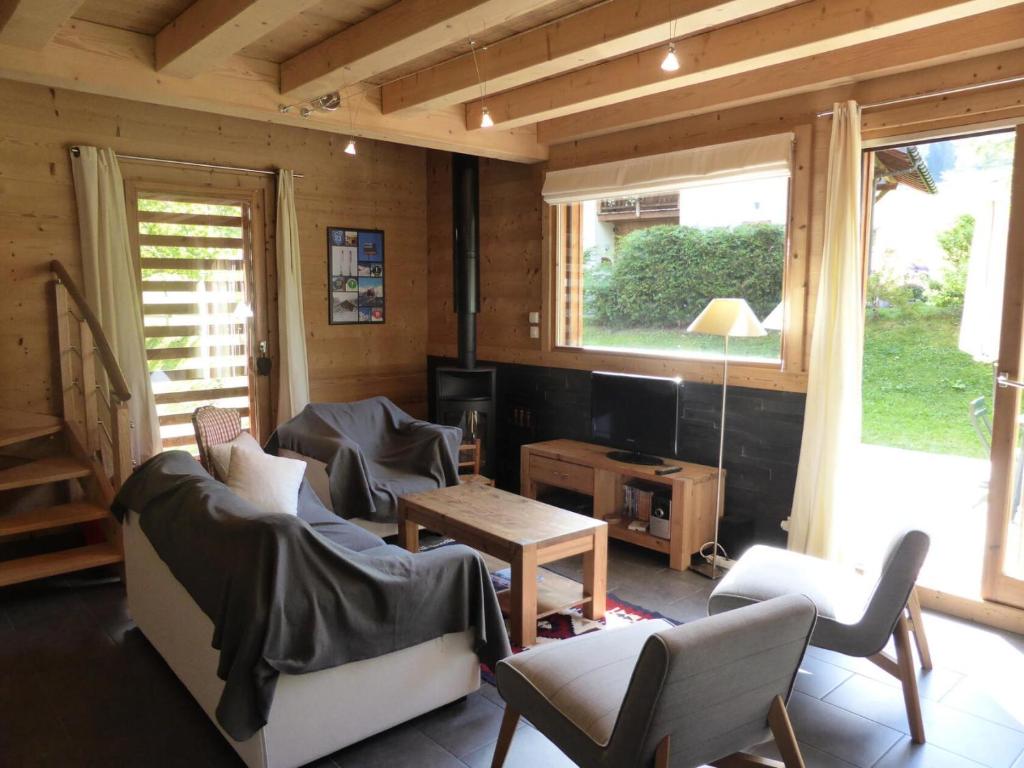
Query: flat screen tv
point(638, 415)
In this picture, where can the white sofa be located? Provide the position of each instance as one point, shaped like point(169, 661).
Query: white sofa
point(313, 714)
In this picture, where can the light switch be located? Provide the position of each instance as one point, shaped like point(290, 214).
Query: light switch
point(534, 332)
point(534, 318)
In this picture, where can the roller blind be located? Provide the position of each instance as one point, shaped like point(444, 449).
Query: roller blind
point(750, 158)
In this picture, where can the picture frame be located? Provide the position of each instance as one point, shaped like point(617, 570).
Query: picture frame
point(356, 292)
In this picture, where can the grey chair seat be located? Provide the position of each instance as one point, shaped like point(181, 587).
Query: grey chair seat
point(583, 682)
point(840, 594)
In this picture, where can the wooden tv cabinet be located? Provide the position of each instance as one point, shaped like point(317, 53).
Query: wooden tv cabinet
point(586, 469)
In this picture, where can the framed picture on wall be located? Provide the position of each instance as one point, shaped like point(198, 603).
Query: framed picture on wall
point(355, 275)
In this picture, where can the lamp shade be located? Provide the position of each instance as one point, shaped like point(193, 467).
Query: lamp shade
point(774, 320)
point(727, 317)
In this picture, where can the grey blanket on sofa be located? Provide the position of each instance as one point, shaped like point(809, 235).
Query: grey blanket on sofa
point(374, 451)
point(284, 598)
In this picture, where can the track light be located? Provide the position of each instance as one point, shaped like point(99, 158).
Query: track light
point(329, 102)
point(670, 63)
point(485, 119)
point(350, 148)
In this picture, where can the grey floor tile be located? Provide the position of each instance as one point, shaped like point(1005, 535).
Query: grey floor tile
point(465, 726)
point(813, 758)
point(692, 608)
point(906, 754)
point(933, 684)
point(999, 699)
point(404, 745)
point(818, 678)
point(963, 734)
point(848, 736)
point(530, 749)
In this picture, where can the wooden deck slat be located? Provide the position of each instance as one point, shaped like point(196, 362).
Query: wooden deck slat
point(202, 219)
point(155, 262)
point(198, 395)
point(183, 241)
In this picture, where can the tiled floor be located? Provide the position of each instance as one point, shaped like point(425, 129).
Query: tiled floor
point(80, 686)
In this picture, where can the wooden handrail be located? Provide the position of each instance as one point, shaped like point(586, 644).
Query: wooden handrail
point(115, 376)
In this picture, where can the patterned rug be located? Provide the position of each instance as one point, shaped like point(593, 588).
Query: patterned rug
point(571, 622)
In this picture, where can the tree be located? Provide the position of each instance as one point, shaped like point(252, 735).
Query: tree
point(956, 242)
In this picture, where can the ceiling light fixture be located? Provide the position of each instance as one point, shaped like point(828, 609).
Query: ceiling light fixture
point(329, 102)
point(486, 121)
point(671, 62)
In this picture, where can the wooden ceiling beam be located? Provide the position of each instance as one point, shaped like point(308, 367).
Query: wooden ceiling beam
point(93, 58)
point(399, 34)
point(209, 31)
point(33, 23)
point(594, 34)
point(988, 33)
point(798, 32)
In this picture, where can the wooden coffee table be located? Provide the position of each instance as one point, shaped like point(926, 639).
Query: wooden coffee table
point(521, 531)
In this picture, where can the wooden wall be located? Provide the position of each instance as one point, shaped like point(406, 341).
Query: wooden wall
point(383, 187)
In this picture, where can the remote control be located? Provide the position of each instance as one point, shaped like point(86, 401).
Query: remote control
point(667, 470)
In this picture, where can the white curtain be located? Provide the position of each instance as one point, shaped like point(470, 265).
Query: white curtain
point(293, 392)
point(832, 419)
point(763, 156)
point(112, 284)
point(982, 320)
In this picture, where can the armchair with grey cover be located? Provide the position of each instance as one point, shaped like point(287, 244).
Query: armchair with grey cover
point(372, 452)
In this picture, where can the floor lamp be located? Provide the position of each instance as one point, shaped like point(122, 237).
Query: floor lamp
point(723, 317)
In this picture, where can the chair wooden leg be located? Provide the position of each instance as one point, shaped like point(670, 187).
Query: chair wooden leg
point(917, 627)
point(908, 679)
point(508, 729)
point(785, 738)
point(661, 756)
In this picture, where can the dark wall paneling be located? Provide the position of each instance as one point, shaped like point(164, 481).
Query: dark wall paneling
point(762, 436)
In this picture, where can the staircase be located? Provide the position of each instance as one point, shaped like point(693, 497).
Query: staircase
point(59, 474)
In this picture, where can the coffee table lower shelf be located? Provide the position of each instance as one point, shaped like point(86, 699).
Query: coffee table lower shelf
point(555, 593)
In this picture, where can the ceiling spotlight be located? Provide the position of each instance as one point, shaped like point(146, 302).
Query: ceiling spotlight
point(350, 148)
point(485, 119)
point(670, 63)
point(328, 102)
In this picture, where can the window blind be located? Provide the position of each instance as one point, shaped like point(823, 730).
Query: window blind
point(750, 158)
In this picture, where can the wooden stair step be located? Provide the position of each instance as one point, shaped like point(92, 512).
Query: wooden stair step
point(48, 470)
point(17, 427)
point(44, 518)
point(55, 563)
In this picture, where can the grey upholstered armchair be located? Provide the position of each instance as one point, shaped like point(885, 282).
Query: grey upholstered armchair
point(654, 694)
point(856, 616)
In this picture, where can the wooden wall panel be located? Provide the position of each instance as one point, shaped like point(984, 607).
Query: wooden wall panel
point(383, 187)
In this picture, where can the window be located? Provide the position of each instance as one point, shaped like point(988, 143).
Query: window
point(644, 244)
point(196, 266)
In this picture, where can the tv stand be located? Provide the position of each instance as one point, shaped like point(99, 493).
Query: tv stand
point(589, 469)
point(635, 457)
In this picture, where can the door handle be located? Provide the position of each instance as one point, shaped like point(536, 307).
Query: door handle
point(1004, 381)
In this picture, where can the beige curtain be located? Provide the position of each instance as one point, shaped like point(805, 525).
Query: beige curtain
point(293, 379)
point(112, 283)
point(832, 420)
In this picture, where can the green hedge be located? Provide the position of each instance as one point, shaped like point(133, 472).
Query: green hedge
point(664, 276)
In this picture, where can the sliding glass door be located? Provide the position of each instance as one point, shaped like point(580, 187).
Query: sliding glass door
point(1004, 551)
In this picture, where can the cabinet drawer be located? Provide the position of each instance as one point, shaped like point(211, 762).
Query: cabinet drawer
point(562, 474)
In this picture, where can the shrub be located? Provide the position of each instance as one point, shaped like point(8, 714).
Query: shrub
point(664, 276)
point(956, 242)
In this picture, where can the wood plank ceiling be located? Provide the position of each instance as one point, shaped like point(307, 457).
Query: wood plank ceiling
point(553, 71)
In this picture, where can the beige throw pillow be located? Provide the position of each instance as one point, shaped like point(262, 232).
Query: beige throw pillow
point(269, 482)
point(220, 455)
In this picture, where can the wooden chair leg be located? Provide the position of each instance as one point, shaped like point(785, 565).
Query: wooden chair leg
point(661, 756)
point(917, 627)
point(508, 729)
point(908, 679)
point(785, 738)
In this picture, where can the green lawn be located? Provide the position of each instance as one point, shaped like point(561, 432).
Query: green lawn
point(917, 383)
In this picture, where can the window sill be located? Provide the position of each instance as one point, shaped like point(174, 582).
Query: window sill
point(680, 357)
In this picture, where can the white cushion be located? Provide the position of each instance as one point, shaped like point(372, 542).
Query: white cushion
point(316, 474)
point(269, 482)
point(220, 455)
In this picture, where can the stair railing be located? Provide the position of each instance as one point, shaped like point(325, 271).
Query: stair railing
point(94, 390)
